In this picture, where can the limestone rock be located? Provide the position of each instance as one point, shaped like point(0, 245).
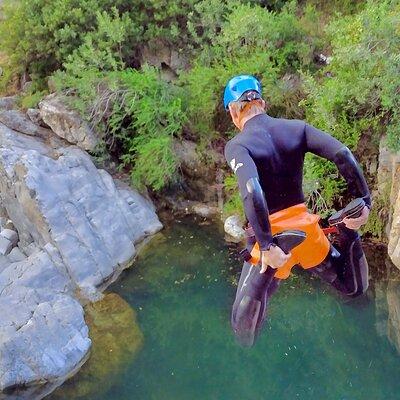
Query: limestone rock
point(394, 235)
point(64, 200)
point(78, 230)
point(45, 335)
point(66, 123)
point(233, 227)
point(19, 122)
point(389, 187)
point(34, 115)
point(204, 210)
point(165, 57)
point(199, 177)
point(5, 246)
point(4, 262)
point(7, 103)
point(16, 255)
point(11, 235)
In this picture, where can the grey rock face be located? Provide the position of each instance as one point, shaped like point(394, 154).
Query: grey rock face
point(43, 334)
point(7, 103)
point(19, 122)
point(66, 123)
point(11, 235)
point(34, 115)
point(64, 200)
point(389, 187)
point(5, 246)
point(77, 230)
point(16, 255)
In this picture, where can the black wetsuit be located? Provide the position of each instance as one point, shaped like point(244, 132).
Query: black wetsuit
point(272, 150)
point(267, 157)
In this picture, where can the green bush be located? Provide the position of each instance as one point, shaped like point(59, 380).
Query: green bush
point(39, 35)
point(252, 40)
point(233, 202)
point(352, 96)
point(138, 113)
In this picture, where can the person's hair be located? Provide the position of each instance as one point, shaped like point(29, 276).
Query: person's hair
point(246, 108)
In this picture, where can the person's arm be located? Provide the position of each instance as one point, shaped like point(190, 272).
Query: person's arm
point(255, 205)
point(326, 146)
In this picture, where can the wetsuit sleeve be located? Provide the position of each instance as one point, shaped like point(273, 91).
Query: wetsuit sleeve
point(324, 145)
point(255, 205)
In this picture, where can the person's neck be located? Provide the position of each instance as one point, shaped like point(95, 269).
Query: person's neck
point(249, 117)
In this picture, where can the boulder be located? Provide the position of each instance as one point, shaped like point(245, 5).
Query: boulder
point(67, 123)
point(34, 115)
point(18, 121)
point(45, 335)
point(11, 235)
point(233, 227)
point(78, 229)
point(5, 246)
point(7, 103)
point(64, 200)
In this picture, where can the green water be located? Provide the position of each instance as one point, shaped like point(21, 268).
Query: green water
point(315, 346)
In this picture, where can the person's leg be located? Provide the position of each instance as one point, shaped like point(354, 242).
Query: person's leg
point(250, 307)
point(353, 267)
point(347, 269)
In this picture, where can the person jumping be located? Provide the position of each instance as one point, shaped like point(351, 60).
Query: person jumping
point(267, 157)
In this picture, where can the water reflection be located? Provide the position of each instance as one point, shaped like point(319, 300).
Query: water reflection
point(385, 284)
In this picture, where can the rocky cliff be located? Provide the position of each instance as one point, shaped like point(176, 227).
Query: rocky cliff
point(67, 230)
point(388, 193)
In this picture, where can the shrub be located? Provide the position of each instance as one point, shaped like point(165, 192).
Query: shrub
point(39, 35)
point(139, 115)
point(351, 97)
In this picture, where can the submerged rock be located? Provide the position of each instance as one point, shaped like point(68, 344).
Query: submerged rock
point(233, 227)
point(67, 123)
point(393, 301)
point(116, 339)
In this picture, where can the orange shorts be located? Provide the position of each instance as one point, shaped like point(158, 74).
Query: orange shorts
point(308, 254)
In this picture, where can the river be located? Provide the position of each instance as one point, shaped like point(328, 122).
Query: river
point(316, 345)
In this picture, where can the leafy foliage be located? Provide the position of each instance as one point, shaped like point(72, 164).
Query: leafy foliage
point(137, 110)
point(352, 96)
point(92, 52)
point(39, 35)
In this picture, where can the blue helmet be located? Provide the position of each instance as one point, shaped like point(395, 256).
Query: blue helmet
point(238, 85)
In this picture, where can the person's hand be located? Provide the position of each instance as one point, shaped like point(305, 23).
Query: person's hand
point(356, 223)
point(275, 257)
